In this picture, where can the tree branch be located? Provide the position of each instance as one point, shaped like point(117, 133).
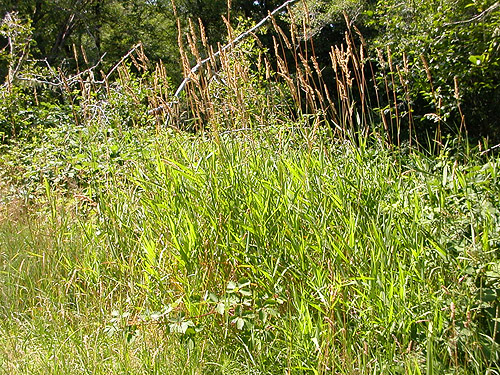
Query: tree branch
point(229, 45)
point(477, 17)
point(117, 65)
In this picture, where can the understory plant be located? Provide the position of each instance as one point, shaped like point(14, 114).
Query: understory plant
point(272, 218)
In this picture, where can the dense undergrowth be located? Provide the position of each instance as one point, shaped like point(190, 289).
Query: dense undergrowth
point(255, 224)
point(268, 251)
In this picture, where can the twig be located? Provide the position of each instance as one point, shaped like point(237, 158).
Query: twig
point(13, 72)
point(11, 20)
point(132, 50)
point(69, 81)
point(490, 149)
point(229, 45)
point(477, 17)
point(75, 77)
point(40, 81)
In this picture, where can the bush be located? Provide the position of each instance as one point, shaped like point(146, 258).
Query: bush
point(453, 53)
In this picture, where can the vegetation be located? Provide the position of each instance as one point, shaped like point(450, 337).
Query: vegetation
point(279, 212)
point(425, 37)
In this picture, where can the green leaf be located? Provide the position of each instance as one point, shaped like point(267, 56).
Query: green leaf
point(212, 297)
point(246, 292)
point(493, 274)
point(220, 308)
point(186, 324)
point(240, 322)
point(489, 295)
point(181, 327)
point(190, 343)
point(263, 316)
point(231, 286)
point(476, 59)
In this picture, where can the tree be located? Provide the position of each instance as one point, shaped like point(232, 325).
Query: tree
point(453, 50)
point(124, 23)
point(98, 26)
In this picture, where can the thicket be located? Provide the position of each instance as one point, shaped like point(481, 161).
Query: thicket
point(448, 52)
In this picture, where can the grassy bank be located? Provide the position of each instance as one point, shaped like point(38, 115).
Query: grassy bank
point(268, 216)
point(277, 251)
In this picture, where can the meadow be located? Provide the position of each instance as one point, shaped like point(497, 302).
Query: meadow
point(251, 225)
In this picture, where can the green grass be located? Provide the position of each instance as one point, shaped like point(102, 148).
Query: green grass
point(293, 248)
point(269, 252)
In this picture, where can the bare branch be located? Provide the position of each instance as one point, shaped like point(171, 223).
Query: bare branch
point(229, 45)
point(477, 17)
point(117, 65)
point(490, 149)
